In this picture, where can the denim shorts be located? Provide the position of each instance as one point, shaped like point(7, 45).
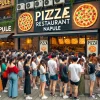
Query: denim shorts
point(54, 77)
point(92, 77)
point(98, 74)
point(34, 73)
point(43, 78)
point(20, 74)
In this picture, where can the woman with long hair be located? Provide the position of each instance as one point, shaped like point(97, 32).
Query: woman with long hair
point(4, 79)
point(42, 70)
point(98, 73)
point(34, 71)
point(12, 71)
point(27, 84)
point(91, 70)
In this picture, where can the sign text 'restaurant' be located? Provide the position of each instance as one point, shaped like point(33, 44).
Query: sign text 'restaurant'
point(52, 19)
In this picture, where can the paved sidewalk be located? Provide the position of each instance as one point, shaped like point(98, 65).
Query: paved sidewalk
point(35, 95)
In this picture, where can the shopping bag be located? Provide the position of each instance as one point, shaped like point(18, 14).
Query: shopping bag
point(1, 87)
point(5, 74)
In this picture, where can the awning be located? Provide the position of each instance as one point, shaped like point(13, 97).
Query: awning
point(56, 33)
point(4, 36)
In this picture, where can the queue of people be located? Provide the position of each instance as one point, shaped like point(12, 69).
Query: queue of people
point(53, 70)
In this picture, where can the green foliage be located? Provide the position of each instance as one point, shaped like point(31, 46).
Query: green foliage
point(71, 2)
point(10, 22)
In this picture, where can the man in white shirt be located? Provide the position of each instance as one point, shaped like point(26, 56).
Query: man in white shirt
point(74, 74)
point(52, 65)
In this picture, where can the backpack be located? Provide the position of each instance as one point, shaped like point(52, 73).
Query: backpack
point(62, 72)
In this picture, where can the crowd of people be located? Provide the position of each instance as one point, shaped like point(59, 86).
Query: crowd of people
point(27, 70)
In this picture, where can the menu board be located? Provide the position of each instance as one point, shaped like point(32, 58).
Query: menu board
point(81, 40)
point(67, 41)
point(74, 41)
point(60, 41)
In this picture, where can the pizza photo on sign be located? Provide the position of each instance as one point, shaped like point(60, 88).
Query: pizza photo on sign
point(85, 15)
point(43, 48)
point(92, 49)
point(25, 21)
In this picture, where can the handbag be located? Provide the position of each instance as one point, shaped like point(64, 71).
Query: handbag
point(5, 74)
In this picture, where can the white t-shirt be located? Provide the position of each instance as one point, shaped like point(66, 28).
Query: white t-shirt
point(52, 65)
point(42, 69)
point(34, 66)
point(75, 70)
point(20, 65)
point(38, 60)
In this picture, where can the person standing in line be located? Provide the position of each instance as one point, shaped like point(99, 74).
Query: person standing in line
point(82, 80)
point(52, 65)
point(42, 69)
point(38, 62)
point(64, 77)
point(74, 75)
point(1, 88)
point(27, 84)
point(91, 70)
point(4, 79)
point(98, 73)
point(12, 70)
point(34, 71)
point(20, 73)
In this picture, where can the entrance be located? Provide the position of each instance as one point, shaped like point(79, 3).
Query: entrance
point(75, 43)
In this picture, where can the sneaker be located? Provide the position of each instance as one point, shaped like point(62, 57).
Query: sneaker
point(5, 91)
point(35, 87)
point(75, 98)
point(44, 97)
point(98, 95)
point(61, 94)
point(65, 97)
point(93, 97)
point(28, 98)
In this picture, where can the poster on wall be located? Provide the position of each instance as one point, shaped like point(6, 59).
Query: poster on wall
point(92, 47)
point(44, 45)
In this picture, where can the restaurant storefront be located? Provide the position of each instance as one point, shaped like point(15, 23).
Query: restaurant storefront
point(62, 27)
point(7, 24)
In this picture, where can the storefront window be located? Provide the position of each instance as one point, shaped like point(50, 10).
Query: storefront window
point(7, 43)
point(6, 14)
point(26, 43)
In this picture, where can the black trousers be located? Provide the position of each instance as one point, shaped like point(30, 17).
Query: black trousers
point(4, 82)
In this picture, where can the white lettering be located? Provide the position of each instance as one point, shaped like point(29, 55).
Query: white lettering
point(5, 29)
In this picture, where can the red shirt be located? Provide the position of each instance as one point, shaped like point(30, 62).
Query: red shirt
point(12, 70)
